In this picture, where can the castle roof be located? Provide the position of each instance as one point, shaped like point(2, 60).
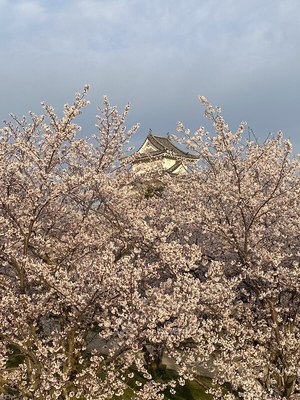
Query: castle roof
point(162, 146)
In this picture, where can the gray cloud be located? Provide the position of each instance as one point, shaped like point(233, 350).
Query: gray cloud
point(157, 55)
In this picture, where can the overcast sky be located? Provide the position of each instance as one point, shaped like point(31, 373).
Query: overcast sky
point(159, 55)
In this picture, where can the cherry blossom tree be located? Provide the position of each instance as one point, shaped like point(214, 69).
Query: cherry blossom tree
point(242, 205)
point(82, 292)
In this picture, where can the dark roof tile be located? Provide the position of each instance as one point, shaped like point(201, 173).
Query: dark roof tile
point(165, 144)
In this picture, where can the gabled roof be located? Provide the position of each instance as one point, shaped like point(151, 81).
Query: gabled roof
point(175, 167)
point(164, 145)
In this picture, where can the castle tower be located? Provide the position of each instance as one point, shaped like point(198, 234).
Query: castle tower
point(160, 153)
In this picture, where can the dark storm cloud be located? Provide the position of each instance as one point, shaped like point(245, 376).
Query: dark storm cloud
point(159, 55)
